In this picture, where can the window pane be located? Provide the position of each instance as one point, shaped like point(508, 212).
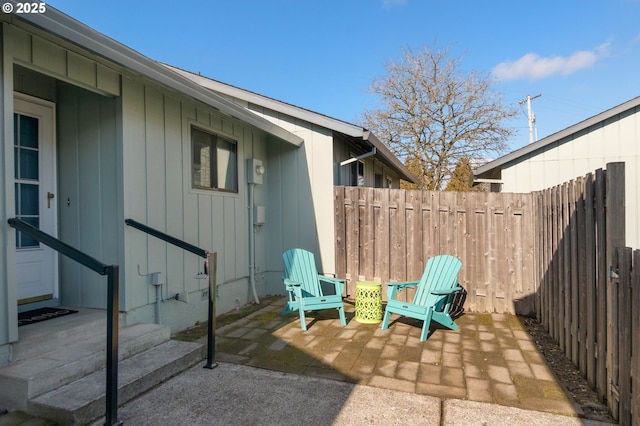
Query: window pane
point(16, 155)
point(28, 164)
point(201, 167)
point(25, 241)
point(214, 162)
point(28, 200)
point(227, 165)
point(28, 131)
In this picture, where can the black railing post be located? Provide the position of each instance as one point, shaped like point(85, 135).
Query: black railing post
point(212, 270)
point(112, 346)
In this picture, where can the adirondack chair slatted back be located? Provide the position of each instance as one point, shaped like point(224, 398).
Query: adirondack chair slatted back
point(441, 272)
point(300, 267)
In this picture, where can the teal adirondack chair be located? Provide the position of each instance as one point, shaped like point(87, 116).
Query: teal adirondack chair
point(303, 284)
point(433, 296)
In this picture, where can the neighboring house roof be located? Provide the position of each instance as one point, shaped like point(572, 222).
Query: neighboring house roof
point(73, 31)
point(358, 133)
point(493, 169)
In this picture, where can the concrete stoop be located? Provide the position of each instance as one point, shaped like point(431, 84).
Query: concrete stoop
point(59, 368)
point(82, 401)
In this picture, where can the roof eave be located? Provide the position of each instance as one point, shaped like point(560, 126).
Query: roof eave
point(318, 119)
point(383, 151)
point(515, 155)
point(73, 31)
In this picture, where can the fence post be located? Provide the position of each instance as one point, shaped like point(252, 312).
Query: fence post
point(212, 271)
point(615, 237)
point(111, 397)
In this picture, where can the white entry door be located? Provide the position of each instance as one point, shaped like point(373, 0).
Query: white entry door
point(35, 202)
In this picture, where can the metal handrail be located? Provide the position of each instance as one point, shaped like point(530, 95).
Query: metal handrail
point(112, 273)
point(210, 269)
point(166, 237)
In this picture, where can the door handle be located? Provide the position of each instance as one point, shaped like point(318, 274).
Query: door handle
point(49, 197)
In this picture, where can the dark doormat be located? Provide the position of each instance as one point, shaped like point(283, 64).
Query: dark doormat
point(42, 314)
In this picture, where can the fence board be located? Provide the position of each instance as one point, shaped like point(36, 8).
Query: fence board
point(573, 273)
point(590, 280)
point(635, 345)
point(623, 334)
point(366, 225)
point(415, 254)
point(381, 235)
point(340, 230)
point(580, 273)
point(601, 283)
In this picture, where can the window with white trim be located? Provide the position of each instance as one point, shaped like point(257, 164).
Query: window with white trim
point(214, 163)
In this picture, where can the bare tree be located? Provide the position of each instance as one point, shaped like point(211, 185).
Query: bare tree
point(432, 114)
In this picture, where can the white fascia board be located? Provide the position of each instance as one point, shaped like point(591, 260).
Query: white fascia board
point(517, 154)
point(67, 28)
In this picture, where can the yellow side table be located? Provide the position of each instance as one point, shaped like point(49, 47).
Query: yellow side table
point(368, 302)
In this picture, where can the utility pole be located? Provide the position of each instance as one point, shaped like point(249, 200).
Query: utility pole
point(531, 116)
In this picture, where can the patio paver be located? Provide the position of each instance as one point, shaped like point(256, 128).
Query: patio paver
point(491, 359)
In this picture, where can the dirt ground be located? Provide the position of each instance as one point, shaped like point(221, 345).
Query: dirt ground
point(567, 373)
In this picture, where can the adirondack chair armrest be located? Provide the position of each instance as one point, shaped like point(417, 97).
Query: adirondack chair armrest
point(289, 283)
point(337, 282)
point(393, 288)
point(331, 279)
point(403, 284)
point(447, 291)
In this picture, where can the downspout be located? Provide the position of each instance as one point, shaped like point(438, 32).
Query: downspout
point(373, 151)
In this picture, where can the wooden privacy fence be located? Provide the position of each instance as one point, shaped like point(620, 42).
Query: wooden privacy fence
point(588, 284)
point(557, 253)
point(388, 234)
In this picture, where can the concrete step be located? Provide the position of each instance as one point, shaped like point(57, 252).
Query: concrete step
point(45, 336)
point(69, 356)
point(82, 401)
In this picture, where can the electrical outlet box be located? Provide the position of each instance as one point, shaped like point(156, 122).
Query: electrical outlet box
point(259, 215)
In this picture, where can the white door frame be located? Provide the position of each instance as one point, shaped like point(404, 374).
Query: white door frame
point(44, 256)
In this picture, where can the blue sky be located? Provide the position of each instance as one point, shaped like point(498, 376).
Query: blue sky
point(582, 56)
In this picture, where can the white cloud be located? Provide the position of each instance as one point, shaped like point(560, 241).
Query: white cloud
point(535, 67)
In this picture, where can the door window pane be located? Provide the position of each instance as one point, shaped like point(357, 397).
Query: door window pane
point(28, 200)
point(28, 164)
point(28, 131)
point(27, 209)
point(25, 241)
point(26, 173)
